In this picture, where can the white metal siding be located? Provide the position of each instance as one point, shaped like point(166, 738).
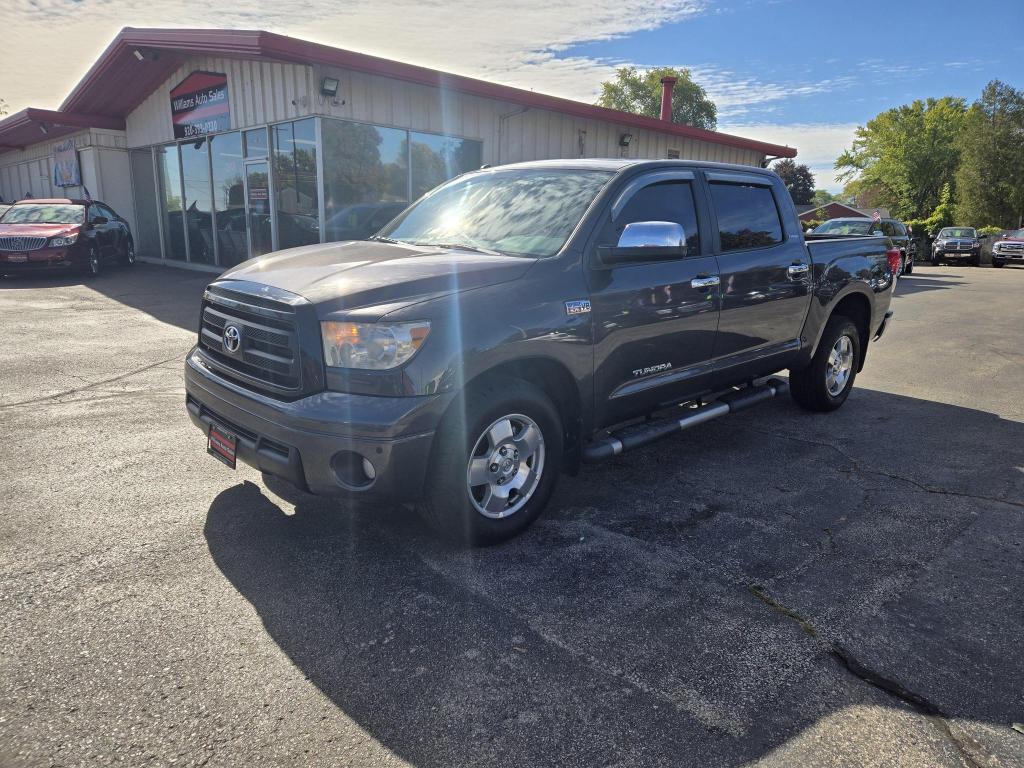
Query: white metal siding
point(261, 92)
point(31, 169)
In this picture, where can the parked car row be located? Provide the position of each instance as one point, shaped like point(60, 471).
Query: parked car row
point(960, 244)
point(895, 230)
point(63, 234)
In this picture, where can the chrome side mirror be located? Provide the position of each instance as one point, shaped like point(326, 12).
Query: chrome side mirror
point(645, 241)
point(653, 234)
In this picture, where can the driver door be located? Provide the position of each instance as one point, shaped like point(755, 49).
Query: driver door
point(654, 321)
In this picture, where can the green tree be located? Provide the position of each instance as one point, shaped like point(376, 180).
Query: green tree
point(823, 197)
point(640, 93)
point(904, 156)
point(798, 180)
point(990, 180)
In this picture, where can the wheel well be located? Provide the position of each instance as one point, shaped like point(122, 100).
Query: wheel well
point(856, 307)
point(558, 384)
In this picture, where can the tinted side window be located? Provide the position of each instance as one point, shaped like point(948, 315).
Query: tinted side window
point(667, 201)
point(899, 229)
point(747, 216)
point(105, 211)
point(888, 229)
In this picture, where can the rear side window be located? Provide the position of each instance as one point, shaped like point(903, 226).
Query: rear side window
point(747, 216)
point(899, 229)
point(667, 201)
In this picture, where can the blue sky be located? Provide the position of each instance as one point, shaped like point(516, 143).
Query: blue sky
point(798, 72)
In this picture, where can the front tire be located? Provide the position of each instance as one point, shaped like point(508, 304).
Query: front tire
point(495, 464)
point(824, 384)
point(998, 263)
point(92, 266)
point(909, 270)
point(128, 259)
point(936, 259)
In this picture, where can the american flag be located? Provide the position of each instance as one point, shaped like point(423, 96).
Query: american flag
point(876, 216)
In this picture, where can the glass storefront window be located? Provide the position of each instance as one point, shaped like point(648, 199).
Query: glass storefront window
point(229, 198)
point(195, 171)
point(435, 159)
point(366, 178)
point(147, 228)
point(295, 187)
point(170, 201)
point(256, 143)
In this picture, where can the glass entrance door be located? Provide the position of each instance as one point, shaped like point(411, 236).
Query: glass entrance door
point(257, 204)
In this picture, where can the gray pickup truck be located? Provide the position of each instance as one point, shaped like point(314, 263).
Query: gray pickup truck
point(520, 320)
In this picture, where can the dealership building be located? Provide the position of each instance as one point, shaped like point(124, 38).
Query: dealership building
point(218, 145)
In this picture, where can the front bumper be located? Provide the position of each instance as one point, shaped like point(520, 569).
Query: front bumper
point(1008, 256)
point(303, 441)
point(956, 254)
point(41, 260)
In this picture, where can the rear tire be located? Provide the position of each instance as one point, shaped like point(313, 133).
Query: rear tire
point(128, 259)
point(824, 383)
point(506, 434)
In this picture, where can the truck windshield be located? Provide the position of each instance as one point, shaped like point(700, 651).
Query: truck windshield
point(528, 212)
point(845, 227)
point(45, 214)
point(957, 232)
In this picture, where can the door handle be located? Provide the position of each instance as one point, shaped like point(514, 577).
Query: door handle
point(798, 270)
point(705, 282)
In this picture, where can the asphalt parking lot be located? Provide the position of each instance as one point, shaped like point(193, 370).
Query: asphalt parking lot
point(775, 588)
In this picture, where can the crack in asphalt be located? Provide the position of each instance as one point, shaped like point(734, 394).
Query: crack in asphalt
point(859, 467)
point(919, 703)
point(92, 385)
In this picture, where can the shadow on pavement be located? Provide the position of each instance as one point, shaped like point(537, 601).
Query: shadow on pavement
point(631, 625)
point(169, 294)
point(917, 283)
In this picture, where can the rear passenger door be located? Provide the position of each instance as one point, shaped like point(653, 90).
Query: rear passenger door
point(654, 321)
point(765, 273)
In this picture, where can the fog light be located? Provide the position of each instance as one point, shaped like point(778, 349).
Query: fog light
point(353, 470)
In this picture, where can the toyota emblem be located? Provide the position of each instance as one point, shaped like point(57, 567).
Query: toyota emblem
point(232, 338)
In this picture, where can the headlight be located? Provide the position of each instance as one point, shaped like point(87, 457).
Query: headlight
point(371, 346)
point(61, 242)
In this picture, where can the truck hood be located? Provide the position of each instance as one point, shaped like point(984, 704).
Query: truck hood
point(357, 274)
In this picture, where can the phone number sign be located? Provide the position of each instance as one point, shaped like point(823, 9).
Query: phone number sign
point(199, 105)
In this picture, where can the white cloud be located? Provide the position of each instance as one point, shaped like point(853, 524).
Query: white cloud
point(819, 144)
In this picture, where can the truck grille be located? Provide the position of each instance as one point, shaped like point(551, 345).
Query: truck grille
point(21, 243)
point(262, 351)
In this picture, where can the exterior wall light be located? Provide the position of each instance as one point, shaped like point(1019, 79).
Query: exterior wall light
point(329, 87)
point(624, 139)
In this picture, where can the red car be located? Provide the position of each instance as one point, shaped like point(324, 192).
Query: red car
point(61, 234)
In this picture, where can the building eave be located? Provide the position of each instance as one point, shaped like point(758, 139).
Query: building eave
point(119, 80)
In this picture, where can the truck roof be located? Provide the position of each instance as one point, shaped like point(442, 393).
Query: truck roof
point(617, 164)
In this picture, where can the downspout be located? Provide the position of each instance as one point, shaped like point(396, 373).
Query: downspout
point(501, 128)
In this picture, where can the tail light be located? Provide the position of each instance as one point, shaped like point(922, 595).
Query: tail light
point(893, 254)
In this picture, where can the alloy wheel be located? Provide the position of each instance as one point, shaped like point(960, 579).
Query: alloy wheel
point(840, 366)
point(505, 466)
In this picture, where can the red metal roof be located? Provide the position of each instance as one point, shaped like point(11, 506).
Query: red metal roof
point(119, 80)
point(27, 127)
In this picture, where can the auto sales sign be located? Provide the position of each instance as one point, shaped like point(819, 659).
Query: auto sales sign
point(199, 105)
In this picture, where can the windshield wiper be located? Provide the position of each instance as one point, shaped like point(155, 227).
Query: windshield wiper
point(461, 247)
